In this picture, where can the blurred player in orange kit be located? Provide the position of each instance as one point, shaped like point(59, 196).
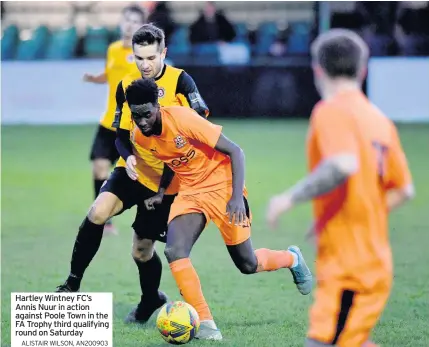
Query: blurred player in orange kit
point(210, 169)
point(119, 62)
point(358, 174)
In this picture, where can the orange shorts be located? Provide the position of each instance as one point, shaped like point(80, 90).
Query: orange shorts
point(213, 206)
point(343, 317)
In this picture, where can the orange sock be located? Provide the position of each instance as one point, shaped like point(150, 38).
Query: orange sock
point(269, 260)
point(190, 287)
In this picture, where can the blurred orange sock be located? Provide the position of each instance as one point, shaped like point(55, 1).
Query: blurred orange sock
point(190, 287)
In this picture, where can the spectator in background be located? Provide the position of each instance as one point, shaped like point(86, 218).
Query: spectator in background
point(161, 17)
point(212, 26)
point(413, 22)
point(379, 16)
point(279, 47)
point(379, 25)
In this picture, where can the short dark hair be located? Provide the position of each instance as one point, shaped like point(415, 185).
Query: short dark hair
point(149, 34)
point(142, 91)
point(340, 53)
point(135, 9)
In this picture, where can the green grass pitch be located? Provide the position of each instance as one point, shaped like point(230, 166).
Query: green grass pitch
point(47, 190)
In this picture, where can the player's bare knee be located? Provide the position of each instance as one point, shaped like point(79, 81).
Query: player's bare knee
point(103, 208)
point(142, 256)
point(173, 253)
point(98, 214)
point(101, 168)
point(143, 250)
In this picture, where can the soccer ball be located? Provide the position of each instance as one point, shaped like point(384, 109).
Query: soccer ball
point(178, 322)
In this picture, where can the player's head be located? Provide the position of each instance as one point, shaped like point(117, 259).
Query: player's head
point(209, 9)
point(338, 54)
point(142, 97)
point(133, 17)
point(149, 50)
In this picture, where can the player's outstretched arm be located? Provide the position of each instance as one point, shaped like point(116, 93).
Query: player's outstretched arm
point(97, 79)
point(328, 175)
point(235, 207)
point(334, 138)
point(101, 78)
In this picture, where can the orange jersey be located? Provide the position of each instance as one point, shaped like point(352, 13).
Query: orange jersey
point(119, 63)
point(186, 145)
point(175, 87)
point(352, 221)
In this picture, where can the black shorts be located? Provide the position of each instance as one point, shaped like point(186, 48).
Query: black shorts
point(150, 225)
point(103, 146)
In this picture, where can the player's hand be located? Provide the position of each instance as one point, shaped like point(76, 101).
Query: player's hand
point(154, 200)
point(88, 77)
point(278, 205)
point(236, 210)
point(131, 167)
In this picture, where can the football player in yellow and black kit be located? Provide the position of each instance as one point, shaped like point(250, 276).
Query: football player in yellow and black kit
point(150, 178)
point(119, 63)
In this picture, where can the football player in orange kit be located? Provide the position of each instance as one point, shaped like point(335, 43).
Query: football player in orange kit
point(119, 63)
point(150, 176)
point(358, 174)
point(210, 169)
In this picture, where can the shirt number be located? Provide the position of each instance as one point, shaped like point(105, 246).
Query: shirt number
point(381, 155)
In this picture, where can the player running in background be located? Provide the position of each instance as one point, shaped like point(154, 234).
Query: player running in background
point(119, 63)
point(119, 193)
point(359, 173)
point(211, 172)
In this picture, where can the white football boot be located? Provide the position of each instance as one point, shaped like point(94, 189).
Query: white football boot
point(208, 331)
